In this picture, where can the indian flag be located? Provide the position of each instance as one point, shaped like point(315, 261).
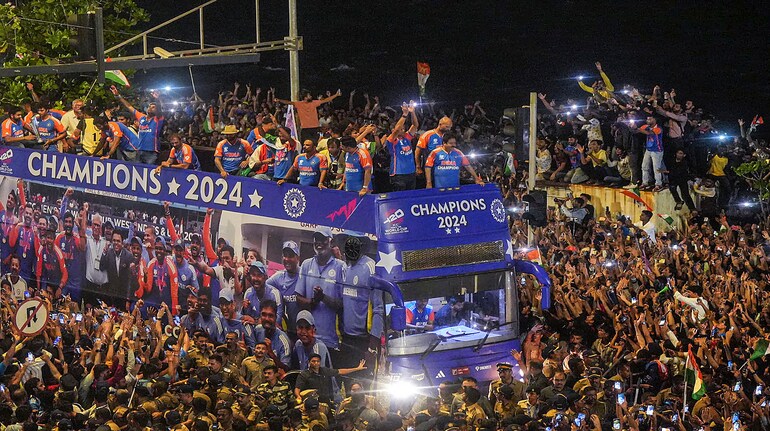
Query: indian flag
point(693, 377)
point(760, 349)
point(208, 123)
point(667, 218)
point(117, 76)
point(423, 72)
point(634, 194)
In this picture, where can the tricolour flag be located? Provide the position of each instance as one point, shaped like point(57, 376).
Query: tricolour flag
point(208, 123)
point(291, 123)
point(757, 121)
point(423, 72)
point(760, 349)
point(634, 194)
point(667, 218)
point(693, 377)
point(117, 76)
point(534, 256)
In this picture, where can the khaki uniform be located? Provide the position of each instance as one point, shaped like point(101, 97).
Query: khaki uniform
point(519, 389)
point(198, 358)
point(474, 414)
point(507, 410)
point(251, 370)
point(230, 378)
point(233, 359)
point(250, 413)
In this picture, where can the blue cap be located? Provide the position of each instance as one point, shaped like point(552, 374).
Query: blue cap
point(324, 231)
point(179, 243)
point(259, 265)
point(160, 239)
point(291, 245)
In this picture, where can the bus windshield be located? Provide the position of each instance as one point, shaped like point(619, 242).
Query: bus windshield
point(456, 311)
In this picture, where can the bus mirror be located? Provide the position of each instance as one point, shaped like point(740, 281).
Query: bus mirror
point(398, 318)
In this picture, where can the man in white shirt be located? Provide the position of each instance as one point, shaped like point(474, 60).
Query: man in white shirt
point(71, 118)
point(18, 285)
point(647, 225)
point(96, 245)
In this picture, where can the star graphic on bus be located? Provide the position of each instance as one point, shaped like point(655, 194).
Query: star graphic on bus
point(448, 231)
point(388, 261)
point(256, 199)
point(173, 187)
point(509, 249)
point(457, 230)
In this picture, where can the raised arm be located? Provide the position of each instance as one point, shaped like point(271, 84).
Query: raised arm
point(332, 97)
point(122, 100)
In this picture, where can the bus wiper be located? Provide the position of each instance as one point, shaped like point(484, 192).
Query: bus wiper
point(435, 343)
point(490, 328)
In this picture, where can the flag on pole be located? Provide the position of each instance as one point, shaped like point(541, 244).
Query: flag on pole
point(667, 218)
point(634, 194)
point(693, 376)
point(757, 121)
point(534, 256)
point(423, 72)
point(117, 76)
point(760, 349)
point(291, 123)
point(208, 124)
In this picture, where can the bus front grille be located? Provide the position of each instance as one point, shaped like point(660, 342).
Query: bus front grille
point(456, 255)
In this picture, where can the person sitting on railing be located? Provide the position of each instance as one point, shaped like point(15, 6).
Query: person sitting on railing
point(182, 156)
point(232, 152)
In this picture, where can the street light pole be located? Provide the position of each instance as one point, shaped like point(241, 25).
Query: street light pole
point(293, 53)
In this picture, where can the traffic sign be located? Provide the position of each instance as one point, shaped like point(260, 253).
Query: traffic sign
point(31, 317)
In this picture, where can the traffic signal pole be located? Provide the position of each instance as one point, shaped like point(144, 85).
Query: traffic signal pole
point(99, 21)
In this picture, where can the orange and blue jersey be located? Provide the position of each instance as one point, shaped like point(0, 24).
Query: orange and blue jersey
point(655, 140)
point(51, 267)
point(56, 113)
point(74, 259)
point(309, 168)
point(430, 140)
point(232, 155)
point(163, 284)
point(185, 155)
point(356, 165)
point(401, 155)
point(49, 128)
point(284, 159)
point(417, 317)
point(150, 129)
point(254, 136)
point(12, 129)
point(446, 167)
point(129, 140)
point(25, 243)
point(265, 152)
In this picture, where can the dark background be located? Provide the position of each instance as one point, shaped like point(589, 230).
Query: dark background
point(715, 54)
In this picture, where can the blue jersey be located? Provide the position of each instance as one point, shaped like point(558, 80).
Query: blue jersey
point(245, 332)
point(328, 277)
point(446, 167)
point(7, 222)
point(280, 343)
point(11, 129)
point(232, 154)
point(356, 165)
point(357, 295)
point(74, 259)
point(150, 129)
point(655, 140)
point(286, 284)
point(26, 246)
point(187, 277)
point(309, 168)
point(401, 155)
point(255, 301)
point(284, 159)
point(319, 348)
point(129, 140)
point(49, 128)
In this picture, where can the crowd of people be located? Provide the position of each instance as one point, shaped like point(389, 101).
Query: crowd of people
point(650, 330)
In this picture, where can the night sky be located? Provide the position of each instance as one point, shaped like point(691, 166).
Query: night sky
point(495, 51)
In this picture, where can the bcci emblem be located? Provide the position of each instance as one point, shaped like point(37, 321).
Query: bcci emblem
point(498, 210)
point(294, 203)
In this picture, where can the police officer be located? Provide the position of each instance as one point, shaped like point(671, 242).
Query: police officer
point(505, 371)
point(252, 367)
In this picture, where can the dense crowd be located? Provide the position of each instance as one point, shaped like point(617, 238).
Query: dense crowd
point(152, 331)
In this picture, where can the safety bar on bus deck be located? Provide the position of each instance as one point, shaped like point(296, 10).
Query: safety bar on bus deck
point(542, 277)
point(398, 311)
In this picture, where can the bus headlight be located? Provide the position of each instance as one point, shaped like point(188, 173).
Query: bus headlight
point(402, 389)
